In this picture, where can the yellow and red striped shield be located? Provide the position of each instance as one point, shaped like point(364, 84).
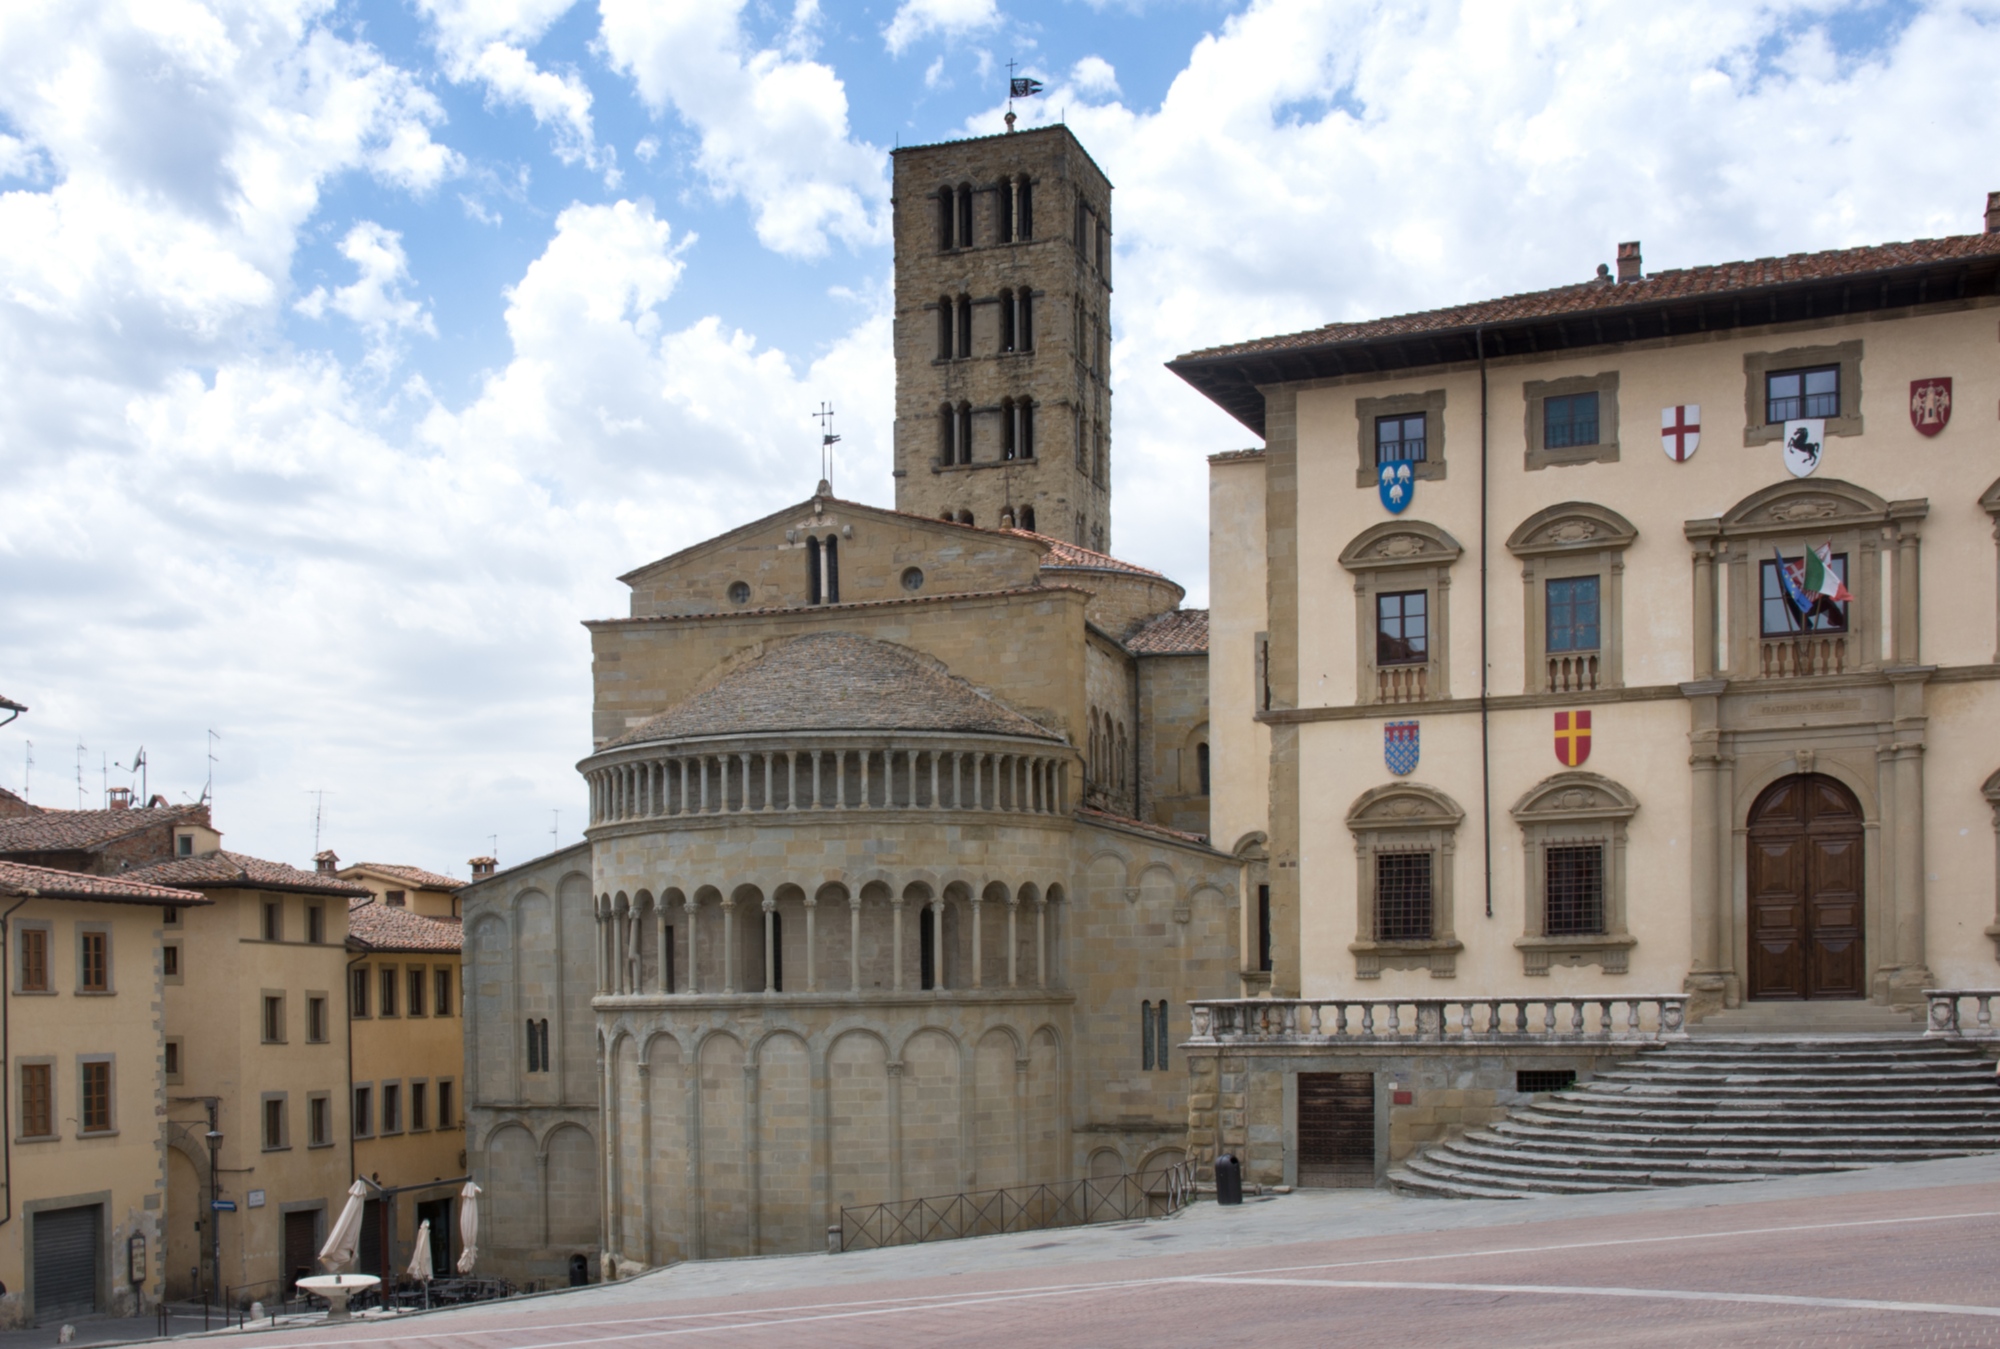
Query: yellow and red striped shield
point(1572, 738)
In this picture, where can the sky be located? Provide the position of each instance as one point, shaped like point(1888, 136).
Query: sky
point(352, 351)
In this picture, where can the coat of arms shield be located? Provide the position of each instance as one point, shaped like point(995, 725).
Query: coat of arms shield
point(1399, 746)
point(1396, 480)
point(1803, 441)
point(1680, 431)
point(1930, 404)
point(1572, 738)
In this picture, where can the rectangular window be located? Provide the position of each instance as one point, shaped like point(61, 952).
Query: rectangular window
point(394, 898)
point(1573, 615)
point(388, 990)
point(416, 1007)
point(184, 845)
point(316, 923)
point(1781, 617)
point(274, 1019)
point(170, 917)
point(170, 960)
point(274, 921)
point(392, 1108)
point(38, 1112)
point(1400, 437)
point(1792, 394)
point(34, 960)
point(444, 1105)
point(364, 1100)
point(173, 1058)
point(97, 1098)
point(319, 1120)
point(94, 962)
point(316, 1020)
point(1402, 896)
point(1569, 420)
point(358, 991)
point(1574, 896)
point(1264, 928)
point(1402, 628)
point(442, 976)
point(419, 1105)
point(274, 1123)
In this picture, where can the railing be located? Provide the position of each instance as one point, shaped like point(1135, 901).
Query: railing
point(1403, 684)
point(1017, 1208)
point(1438, 1020)
point(1573, 673)
point(1945, 1017)
point(1802, 657)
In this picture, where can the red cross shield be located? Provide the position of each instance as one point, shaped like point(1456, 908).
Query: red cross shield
point(1572, 738)
point(1930, 404)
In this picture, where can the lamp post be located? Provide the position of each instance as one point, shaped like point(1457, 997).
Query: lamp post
point(214, 1140)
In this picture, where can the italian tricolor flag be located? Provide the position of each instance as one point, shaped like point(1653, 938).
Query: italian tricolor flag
point(1818, 580)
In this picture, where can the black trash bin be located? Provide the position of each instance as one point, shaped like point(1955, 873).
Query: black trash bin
point(1228, 1179)
point(579, 1271)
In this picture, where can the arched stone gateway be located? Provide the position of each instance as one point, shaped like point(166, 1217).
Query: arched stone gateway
point(1806, 874)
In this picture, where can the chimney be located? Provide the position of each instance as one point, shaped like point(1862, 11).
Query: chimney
point(1993, 212)
point(1629, 266)
point(482, 867)
point(325, 862)
point(121, 798)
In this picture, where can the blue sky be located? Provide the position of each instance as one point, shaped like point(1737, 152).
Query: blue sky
point(355, 349)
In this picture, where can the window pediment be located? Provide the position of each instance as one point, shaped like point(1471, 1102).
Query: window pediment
point(1400, 543)
point(1575, 796)
point(1571, 527)
point(1404, 805)
point(1787, 505)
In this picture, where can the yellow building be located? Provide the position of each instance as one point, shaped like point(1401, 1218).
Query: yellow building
point(405, 1012)
point(256, 1050)
point(400, 887)
point(81, 1211)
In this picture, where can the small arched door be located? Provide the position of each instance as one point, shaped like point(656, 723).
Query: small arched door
point(1805, 863)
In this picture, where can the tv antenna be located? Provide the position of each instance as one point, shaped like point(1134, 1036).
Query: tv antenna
point(138, 765)
point(208, 789)
point(28, 773)
point(80, 747)
point(493, 848)
point(318, 794)
point(827, 440)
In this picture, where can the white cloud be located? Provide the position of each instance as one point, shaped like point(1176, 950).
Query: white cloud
point(773, 128)
point(375, 302)
point(647, 148)
point(1094, 75)
point(917, 19)
point(488, 42)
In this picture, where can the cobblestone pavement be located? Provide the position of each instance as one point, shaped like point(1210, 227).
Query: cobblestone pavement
point(1904, 1255)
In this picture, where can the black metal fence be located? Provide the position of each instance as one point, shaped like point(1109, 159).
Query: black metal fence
point(1017, 1208)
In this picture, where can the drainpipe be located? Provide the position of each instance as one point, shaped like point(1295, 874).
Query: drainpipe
point(347, 996)
point(1485, 665)
point(6, 1021)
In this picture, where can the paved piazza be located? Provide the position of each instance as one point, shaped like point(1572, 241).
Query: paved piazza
point(1904, 1255)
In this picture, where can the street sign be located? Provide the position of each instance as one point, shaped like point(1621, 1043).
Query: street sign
point(223, 1205)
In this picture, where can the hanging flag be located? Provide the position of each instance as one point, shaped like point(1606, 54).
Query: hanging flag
point(1399, 747)
point(1397, 484)
point(1791, 576)
point(1572, 738)
point(1803, 439)
point(1680, 431)
point(1820, 581)
point(1930, 404)
point(1023, 87)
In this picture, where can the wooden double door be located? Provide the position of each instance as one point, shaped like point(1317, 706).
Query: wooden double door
point(1806, 910)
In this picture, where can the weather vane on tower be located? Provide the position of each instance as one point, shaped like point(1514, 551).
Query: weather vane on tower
point(827, 440)
point(1018, 86)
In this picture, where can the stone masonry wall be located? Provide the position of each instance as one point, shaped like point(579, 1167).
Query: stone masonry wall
point(1173, 724)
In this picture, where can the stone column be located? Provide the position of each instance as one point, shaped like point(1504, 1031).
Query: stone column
point(1702, 534)
point(1013, 938)
point(854, 943)
point(728, 943)
point(1041, 944)
point(1912, 974)
point(694, 950)
point(812, 944)
point(1021, 1176)
point(695, 1221)
point(896, 944)
point(542, 1194)
point(1909, 631)
point(646, 1160)
point(770, 945)
point(866, 755)
point(934, 779)
point(753, 1159)
point(936, 906)
point(978, 945)
point(1704, 983)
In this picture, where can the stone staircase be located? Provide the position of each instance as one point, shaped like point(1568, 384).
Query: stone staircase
point(1727, 1108)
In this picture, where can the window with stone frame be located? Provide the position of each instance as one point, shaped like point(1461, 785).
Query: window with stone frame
point(1573, 585)
point(1573, 850)
point(1402, 587)
point(1570, 421)
point(1405, 846)
point(1802, 382)
point(1406, 425)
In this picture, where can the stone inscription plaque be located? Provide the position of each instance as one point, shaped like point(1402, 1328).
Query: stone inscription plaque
point(1806, 707)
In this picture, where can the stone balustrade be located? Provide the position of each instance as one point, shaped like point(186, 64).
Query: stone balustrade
point(1946, 1014)
point(1335, 1021)
point(693, 781)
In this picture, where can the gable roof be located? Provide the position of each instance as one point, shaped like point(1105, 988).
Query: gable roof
point(1797, 287)
point(223, 870)
point(19, 880)
point(1063, 556)
point(834, 681)
point(415, 877)
point(375, 926)
point(1178, 632)
point(81, 830)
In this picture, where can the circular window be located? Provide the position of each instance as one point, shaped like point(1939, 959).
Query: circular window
point(739, 592)
point(913, 578)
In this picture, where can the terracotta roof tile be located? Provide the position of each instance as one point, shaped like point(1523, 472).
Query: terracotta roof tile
point(835, 681)
point(19, 880)
point(374, 926)
point(234, 870)
point(1233, 456)
point(1680, 283)
point(67, 830)
point(1178, 632)
point(1143, 826)
point(1075, 557)
point(415, 876)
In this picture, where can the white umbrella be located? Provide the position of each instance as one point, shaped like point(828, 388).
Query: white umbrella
point(420, 1257)
point(468, 1227)
point(346, 1233)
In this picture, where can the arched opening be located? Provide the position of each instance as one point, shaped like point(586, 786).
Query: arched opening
point(927, 939)
point(833, 569)
point(1007, 428)
point(1024, 319)
point(1201, 767)
point(1007, 317)
point(1024, 208)
point(965, 325)
point(1028, 518)
point(1024, 428)
point(1003, 210)
point(947, 435)
point(965, 434)
point(944, 328)
point(812, 571)
point(965, 517)
point(1806, 869)
point(964, 215)
point(947, 216)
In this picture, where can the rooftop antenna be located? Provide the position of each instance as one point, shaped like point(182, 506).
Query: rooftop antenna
point(28, 773)
point(208, 788)
point(827, 440)
point(79, 774)
point(104, 772)
point(318, 794)
point(493, 848)
point(138, 765)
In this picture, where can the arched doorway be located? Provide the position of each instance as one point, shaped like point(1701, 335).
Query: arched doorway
point(1805, 863)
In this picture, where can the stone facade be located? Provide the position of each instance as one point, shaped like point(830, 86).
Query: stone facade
point(1003, 336)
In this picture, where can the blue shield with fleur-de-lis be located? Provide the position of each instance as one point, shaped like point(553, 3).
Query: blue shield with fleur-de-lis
point(1396, 481)
point(1399, 747)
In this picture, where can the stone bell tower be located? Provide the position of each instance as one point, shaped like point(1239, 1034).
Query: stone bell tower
point(1003, 334)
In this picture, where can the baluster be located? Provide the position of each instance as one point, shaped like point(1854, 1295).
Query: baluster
point(1367, 1020)
point(1340, 1018)
point(1985, 1002)
point(1632, 1016)
point(1395, 1028)
point(1315, 1021)
point(1576, 1017)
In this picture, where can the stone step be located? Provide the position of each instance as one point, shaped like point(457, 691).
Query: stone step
point(1800, 1161)
point(1931, 1113)
point(1561, 1178)
point(1429, 1169)
point(1884, 1138)
point(1741, 1073)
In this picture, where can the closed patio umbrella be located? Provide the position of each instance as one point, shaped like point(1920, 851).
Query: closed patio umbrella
point(468, 1227)
point(346, 1233)
point(420, 1257)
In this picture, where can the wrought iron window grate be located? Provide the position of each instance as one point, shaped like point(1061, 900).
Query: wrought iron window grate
point(1403, 896)
point(1536, 1080)
point(1575, 889)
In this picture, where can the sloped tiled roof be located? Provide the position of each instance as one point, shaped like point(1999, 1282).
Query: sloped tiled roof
point(1179, 632)
point(414, 876)
point(1064, 556)
point(68, 830)
point(20, 881)
point(1089, 816)
point(1233, 456)
point(223, 870)
point(375, 926)
point(835, 681)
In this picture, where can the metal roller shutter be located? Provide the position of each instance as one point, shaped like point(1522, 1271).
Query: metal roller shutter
point(66, 1253)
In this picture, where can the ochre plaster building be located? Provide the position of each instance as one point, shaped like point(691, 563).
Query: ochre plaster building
point(1555, 728)
point(897, 881)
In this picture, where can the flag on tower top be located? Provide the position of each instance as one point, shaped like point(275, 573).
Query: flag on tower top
point(1023, 87)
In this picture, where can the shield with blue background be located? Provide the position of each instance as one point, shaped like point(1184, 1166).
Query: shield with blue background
point(1396, 480)
point(1399, 747)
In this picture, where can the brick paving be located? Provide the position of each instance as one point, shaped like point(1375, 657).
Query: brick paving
point(1896, 1256)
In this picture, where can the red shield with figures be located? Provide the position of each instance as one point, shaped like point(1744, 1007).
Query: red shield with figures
point(1930, 404)
point(1572, 738)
